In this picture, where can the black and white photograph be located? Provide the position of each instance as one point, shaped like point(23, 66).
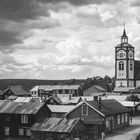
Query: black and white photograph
point(69, 69)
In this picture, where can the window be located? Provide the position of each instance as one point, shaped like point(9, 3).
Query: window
point(21, 131)
point(126, 117)
point(84, 110)
point(123, 118)
point(107, 122)
point(7, 118)
point(73, 91)
point(121, 65)
point(66, 91)
point(7, 131)
point(60, 91)
point(28, 132)
point(131, 65)
point(118, 119)
point(24, 118)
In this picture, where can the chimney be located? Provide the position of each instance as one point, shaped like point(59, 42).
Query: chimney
point(70, 96)
point(100, 103)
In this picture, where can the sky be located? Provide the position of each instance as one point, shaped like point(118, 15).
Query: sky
point(64, 39)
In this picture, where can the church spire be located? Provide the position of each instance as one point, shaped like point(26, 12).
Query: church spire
point(124, 38)
point(124, 33)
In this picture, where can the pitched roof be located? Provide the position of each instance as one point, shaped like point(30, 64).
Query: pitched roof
point(17, 90)
point(56, 98)
point(108, 107)
point(117, 97)
point(60, 108)
point(70, 100)
point(94, 89)
point(59, 125)
point(130, 103)
point(52, 87)
point(26, 99)
point(10, 107)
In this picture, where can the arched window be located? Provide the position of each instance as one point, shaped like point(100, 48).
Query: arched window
point(131, 65)
point(121, 65)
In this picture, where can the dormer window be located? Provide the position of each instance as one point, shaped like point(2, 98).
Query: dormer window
point(84, 110)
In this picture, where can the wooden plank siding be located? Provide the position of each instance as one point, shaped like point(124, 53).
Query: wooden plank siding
point(15, 123)
point(78, 113)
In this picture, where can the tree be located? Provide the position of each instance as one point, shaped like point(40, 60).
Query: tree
point(133, 98)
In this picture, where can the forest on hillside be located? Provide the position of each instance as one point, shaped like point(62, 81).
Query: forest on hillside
point(105, 82)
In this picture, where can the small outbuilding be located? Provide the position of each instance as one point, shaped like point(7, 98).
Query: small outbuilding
point(59, 129)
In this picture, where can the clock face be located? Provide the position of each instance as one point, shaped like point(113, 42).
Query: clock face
point(121, 54)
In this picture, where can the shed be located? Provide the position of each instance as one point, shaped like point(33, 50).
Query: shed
point(58, 128)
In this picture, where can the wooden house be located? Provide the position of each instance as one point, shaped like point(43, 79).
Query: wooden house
point(17, 91)
point(16, 118)
point(94, 91)
point(53, 100)
point(101, 116)
point(59, 129)
point(59, 110)
point(49, 90)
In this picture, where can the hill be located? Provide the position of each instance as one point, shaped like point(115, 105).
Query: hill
point(30, 83)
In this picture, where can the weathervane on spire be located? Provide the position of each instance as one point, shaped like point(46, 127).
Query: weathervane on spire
point(124, 22)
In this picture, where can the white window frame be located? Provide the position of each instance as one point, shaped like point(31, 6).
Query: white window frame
point(126, 117)
point(118, 119)
point(24, 118)
point(28, 132)
point(107, 122)
point(86, 110)
point(7, 131)
point(122, 118)
point(21, 131)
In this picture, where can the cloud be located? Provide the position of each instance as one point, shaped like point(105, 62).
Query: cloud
point(19, 10)
point(135, 3)
point(80, 2)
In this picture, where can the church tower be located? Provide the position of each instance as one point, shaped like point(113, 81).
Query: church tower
point(124, 65)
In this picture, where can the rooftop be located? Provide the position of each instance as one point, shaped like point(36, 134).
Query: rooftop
point(108, 107)
point(60, 108)
point(59, 125)
point(11, 107)
point(52, 87)
point(17, 90)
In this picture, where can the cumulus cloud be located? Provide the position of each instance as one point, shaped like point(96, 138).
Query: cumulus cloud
point(59, 39)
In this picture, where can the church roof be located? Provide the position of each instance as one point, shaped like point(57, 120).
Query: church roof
point(124, 45)
point(137, 70)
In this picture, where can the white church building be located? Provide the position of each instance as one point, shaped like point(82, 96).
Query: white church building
point(127, 69)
